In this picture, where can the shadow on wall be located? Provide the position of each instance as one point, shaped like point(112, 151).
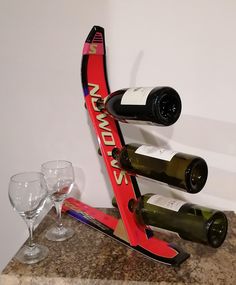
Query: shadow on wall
point(144, 135)
point(135, 68)
point(79, 184)
point(216, 139)
point(101, 162)
point(203, 133)
point(207, 134)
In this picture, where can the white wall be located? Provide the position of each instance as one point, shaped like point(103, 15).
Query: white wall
point(189, 45)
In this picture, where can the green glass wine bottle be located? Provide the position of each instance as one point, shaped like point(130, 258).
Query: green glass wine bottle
point(180, 170)
point(146, 105)
point(191, 222)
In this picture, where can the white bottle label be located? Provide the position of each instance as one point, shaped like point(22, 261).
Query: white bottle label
point(165, 202)
point(136, 96)
point(156, 152)
point(164, 231)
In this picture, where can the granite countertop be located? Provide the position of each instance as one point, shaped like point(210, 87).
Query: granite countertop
point(90, 257)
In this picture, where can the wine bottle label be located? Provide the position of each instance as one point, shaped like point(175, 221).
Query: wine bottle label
point(156, 152)
point(136, 96)
point(165, 202)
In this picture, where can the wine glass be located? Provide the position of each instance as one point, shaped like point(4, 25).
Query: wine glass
point(59, 175)
point(27, 193)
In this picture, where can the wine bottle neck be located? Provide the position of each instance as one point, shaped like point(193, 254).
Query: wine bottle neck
point(132, 204)
point(115, 153)
point(100, 104)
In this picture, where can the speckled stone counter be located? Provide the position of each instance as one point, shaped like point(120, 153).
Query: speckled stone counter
point(93, 258)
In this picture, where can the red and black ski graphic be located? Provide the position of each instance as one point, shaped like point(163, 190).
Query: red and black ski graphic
point(125, 187)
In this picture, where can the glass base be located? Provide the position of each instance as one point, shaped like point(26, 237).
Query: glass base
point(59, 234)
point(32, 255)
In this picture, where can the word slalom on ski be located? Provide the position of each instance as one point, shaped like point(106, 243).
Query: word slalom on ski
point(125, 187)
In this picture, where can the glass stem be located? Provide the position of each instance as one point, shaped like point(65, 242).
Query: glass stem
point(58, 206)
point(30, 224)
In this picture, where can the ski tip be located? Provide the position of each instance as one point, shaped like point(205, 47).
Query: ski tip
point(96, 35)
point(95, 42)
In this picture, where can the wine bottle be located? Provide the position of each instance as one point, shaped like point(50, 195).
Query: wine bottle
point(183, 171)
point(157, 106)
point(189, 221)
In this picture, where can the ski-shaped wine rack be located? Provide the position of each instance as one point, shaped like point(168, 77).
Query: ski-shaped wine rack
point(126, 229)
